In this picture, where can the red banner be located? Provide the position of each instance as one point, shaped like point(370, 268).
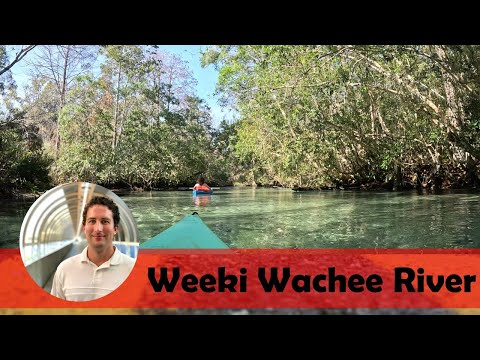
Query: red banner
point(272, 278)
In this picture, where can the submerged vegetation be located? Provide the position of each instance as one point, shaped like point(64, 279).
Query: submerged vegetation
point(346, 116)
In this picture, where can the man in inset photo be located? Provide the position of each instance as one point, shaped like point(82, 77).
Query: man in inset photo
point(100, 268)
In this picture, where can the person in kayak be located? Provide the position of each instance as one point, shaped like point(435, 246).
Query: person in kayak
point(201, 185)
point(101, 267)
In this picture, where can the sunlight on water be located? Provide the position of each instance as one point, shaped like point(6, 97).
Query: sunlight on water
point(273, 218)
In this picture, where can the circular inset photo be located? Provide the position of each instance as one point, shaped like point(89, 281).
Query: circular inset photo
point(79, 241)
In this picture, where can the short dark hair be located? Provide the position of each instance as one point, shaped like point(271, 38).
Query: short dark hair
point(201, 180)
point(101, 200)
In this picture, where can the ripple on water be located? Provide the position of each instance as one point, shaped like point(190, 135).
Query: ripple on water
point(269, 218)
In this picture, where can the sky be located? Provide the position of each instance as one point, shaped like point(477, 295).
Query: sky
point(206, 78)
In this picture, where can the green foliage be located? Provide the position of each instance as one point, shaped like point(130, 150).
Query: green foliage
point(310, 116)
point(6, 80)
point(23, 166)
point(348, 113)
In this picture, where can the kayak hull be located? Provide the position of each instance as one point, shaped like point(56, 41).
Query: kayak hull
point(188, 233)
point(202, 192)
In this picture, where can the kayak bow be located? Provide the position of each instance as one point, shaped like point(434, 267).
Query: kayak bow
point(188, 233)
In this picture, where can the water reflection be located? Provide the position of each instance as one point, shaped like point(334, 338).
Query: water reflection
point(201, 200)
point(271, 218)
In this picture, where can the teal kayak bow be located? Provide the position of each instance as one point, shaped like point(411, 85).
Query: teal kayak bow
point(188, 233)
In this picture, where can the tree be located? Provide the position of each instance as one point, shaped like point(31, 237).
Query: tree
point(6, 65)
point(60, 65)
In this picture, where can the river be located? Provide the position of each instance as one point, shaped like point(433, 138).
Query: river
point(279, 218)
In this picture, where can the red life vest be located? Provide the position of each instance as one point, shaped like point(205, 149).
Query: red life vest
point(203, 187)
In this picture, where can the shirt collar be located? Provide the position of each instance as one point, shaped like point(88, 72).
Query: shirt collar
point(114, 260)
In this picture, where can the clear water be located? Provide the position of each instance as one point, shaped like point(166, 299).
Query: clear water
point(274, 218)
point(271, 218)
point(11, 218)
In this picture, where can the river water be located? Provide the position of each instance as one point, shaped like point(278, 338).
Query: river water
point(278, 218)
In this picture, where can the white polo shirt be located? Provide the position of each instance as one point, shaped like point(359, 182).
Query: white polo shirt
point(79, 279)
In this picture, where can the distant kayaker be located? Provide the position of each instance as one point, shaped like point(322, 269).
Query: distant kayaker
point(201, 185)
point(101, 267)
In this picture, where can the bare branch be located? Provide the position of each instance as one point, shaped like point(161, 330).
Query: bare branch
point(19, 56)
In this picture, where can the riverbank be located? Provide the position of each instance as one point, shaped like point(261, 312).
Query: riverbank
point(32, 196)
point(21, 196)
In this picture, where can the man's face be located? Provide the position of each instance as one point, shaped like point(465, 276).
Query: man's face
point(99, 228)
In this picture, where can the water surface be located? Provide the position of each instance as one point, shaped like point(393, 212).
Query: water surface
point(277, 218)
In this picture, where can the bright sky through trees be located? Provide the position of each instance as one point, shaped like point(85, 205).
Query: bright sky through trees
point(206, 78)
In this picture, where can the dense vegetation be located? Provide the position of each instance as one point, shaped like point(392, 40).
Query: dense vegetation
point(308, 116)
